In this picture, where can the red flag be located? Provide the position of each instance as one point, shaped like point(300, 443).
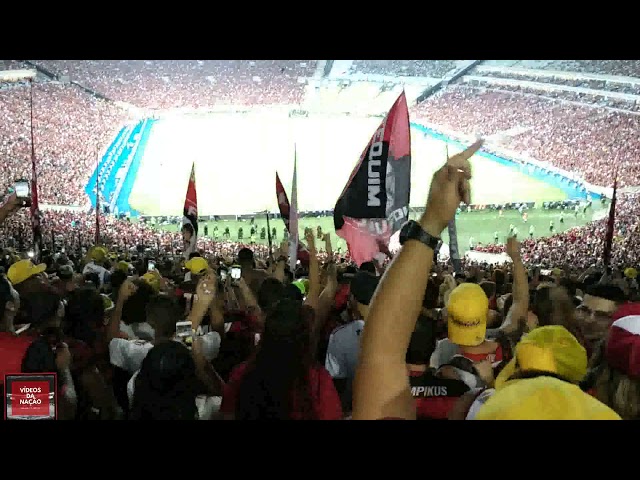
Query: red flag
point(608, 241)
point(375, 202)
point(35, 207)
point(190, 216)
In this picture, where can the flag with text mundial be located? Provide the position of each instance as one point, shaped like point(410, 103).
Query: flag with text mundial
point(190, 216)
point(375, 202)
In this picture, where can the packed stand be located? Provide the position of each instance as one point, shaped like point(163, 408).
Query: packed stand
point(405, 68)
point(64, 161)
point(592, 142)
point(144, 335)
point(594, 98)
point(591, 84)
point(165, 84)
point(625, 68)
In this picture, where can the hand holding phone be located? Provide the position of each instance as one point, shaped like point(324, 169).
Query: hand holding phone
point(236, 273)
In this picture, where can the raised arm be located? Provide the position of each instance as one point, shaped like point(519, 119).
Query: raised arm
point(520, 305)
point(314, 272)
point(381, 387)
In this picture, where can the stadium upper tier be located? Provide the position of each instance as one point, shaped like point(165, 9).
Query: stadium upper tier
point(71, 126)
point(163, 84)
point(70, 129)
point(593, 142)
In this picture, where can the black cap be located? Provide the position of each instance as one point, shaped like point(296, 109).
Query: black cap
point(363, 286)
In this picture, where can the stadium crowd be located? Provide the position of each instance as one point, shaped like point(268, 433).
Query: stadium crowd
point(165, 84)
point(138, 334)
point(592, 142)
point(409, 68)
point(625, 68)
point(71, 128)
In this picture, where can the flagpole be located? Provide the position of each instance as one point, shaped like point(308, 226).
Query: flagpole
point(97, 241)
point(35, 208)
point(269, 235)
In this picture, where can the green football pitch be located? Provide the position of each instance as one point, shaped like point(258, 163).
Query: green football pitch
point(479, 225)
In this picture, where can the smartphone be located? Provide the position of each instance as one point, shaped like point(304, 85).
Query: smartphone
point(545, 273)
point(22, 189)
point(236, 272)
point(152, 266)
point(223, 275)
point(183, 330)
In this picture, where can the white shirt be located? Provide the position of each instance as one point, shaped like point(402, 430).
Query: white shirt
point(343, 350)
point(93, 268)
point(128, 354)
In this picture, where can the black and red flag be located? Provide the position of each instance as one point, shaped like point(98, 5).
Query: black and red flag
point(36, 219)
point(297, 251)
point(608, 241)
point(375, 202)
point(190, 216)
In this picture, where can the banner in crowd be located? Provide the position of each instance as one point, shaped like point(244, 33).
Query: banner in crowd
point(606, 257)
point(36, 219)
point(375, 201)
point(190, 219)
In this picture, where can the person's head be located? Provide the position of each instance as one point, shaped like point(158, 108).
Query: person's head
point(117, 279)
point(423, 342)
point(618, 382)
point(166, 386)
point(198, 266)
point(162, 314)
point(270, 293)
point(98, 255)
point(467, 310)
point(245, 259)
point(280, 367)
point(363, 286)
point(489, 289)
point(368, 267)
point(541, 381)
point(84, 314)
point(187, 232)
point(552, 305)
point(134, 308)
point(26, 277)
point(43, 310)
point(598, 305)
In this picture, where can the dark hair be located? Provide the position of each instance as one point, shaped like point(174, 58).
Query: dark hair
point(92, 277)
point(606, 291)
point(489, 288)
point(245, 255)
point(163, 312)
point(194, 255)
point(84, 314)
point(134, 308)
point(368, 267)
point(40, 307)
point(431, 295)
point(187, 227)
point(117, 279)
point(167, 385)
point(278, 375)
point(270, 293)
point(553, 306)
point(423, 342)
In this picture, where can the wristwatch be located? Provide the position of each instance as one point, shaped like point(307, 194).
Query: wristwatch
point(412, 230)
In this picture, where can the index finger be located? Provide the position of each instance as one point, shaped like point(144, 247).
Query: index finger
point(459, 160)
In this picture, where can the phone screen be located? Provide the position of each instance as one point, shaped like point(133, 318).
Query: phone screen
point(183, 329)
point(22, 190)
point(152, 265)
point(223, 275)
point(236, 273)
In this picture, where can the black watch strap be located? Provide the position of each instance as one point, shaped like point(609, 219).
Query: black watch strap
point(412, 230)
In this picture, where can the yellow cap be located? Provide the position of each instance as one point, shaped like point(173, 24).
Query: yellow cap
point(98, 254)
point(467, 310)
point(548, 349)
point(153, 280)
point(543, 398)
point(123, 266)
point(630, 273)
point(24, 269)
point(197, 265)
